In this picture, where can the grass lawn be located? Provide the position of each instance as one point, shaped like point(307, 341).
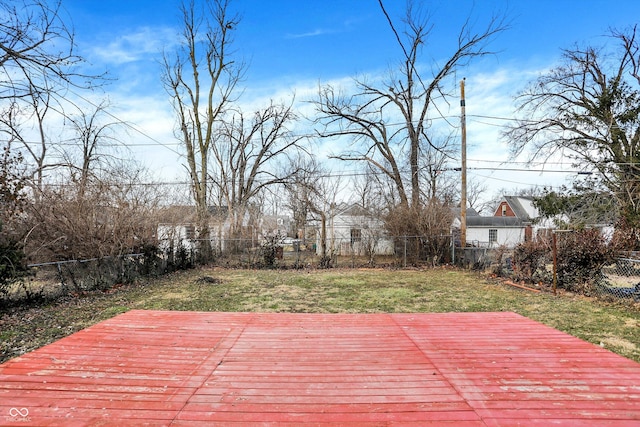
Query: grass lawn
point(615, 327)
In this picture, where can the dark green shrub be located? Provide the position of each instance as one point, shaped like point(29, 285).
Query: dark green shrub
point(183, 259)
point(151, 260)
point(12, 268)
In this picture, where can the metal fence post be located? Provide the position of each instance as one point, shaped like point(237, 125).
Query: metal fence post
point(555, 261)
point(405, 252)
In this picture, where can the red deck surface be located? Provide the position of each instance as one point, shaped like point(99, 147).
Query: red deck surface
point(185, 368)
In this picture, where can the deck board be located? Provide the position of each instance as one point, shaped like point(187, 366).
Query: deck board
point(190, 369)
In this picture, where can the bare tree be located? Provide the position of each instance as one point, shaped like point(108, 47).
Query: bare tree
point(38, 65)
point(588, 109)
point(368, 196)
point(631, 45)
point(312, 190)
point(476, 190)
point(390, 121)
point(92, 140)
point(16, 117)
point(365, 190)
point(12, 202)
point(201, 78)
point(246, 155)
point(12, 183)
point(425, 231)
point(36, 48)
point(438, 181)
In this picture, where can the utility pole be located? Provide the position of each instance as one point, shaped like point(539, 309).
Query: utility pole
point(463, 180)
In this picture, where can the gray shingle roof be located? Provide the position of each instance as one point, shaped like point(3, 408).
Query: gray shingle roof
point(494, 221)
point(517, 208)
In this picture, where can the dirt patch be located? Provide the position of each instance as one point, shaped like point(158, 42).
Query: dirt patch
point(208, 280)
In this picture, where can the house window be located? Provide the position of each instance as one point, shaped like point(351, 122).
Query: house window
point(504, 209)
point(493, 235)
point(356, 235)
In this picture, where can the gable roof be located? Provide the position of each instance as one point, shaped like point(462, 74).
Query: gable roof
point(353, 209)
point(521, 206)
point(470, 212)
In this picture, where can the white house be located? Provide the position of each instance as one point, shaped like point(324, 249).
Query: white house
point(353, 230)
point(511, 224)
point(491, 231)
point(177, 228)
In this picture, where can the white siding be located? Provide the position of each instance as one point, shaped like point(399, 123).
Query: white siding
point(507, 236)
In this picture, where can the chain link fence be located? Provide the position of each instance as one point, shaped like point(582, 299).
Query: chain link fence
point(399, 251)
point(50, 280)
point(619, 280)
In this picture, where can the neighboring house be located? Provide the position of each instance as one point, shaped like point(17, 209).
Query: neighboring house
point(493, 231)
point(516, 220)
point(177, 228)
point(455, 225)
point(352, 229)
point(512, 223)
point(517, 206)
point(274, 225)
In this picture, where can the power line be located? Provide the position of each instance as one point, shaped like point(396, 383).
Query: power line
point(523, 170)
point(121, 144)
point(514, 182)
point(342, 174)
point(129, 125)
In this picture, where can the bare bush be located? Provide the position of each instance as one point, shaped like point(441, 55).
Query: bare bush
point(107, 218)
point(581, 256)
point(530, 261)
point(430, 224)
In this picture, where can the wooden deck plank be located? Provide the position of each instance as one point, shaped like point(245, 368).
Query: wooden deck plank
point(189, 369)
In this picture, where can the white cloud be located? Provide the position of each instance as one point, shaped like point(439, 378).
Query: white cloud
point(314, 33)
point(142, 101)
point(142, 43)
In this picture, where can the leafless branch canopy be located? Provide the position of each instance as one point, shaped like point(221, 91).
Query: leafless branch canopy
point(37, 49)
point(247, 153)
point(201, 78)
point(588, 108)
point(389, 122)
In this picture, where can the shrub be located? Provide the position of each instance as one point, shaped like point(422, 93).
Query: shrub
point(151, 260)
point(12, 268)
point(529, 261)
point(422, 229)
point(581, 255)
point(269, 250)
point(626, 237)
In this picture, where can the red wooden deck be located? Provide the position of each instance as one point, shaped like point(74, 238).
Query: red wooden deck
point(185, 368)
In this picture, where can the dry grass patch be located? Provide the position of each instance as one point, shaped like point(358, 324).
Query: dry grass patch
point(324, 291)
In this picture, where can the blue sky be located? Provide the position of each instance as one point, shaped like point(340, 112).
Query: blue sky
point(292, 46)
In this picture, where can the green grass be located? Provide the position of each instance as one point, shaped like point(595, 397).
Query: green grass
point(615, 327)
